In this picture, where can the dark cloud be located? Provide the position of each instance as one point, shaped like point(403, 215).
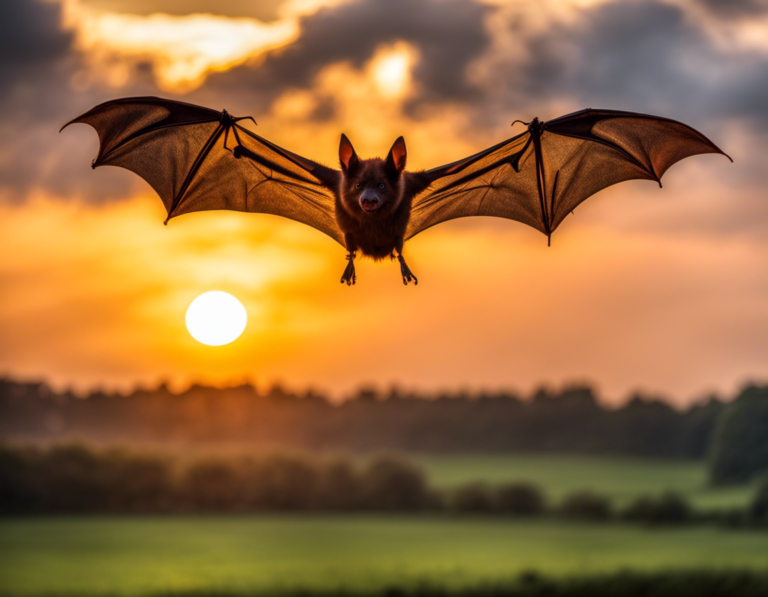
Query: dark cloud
point(30, 36)
point(37, 62)
point(448, 34)
point(735, 8)
point(645, 56)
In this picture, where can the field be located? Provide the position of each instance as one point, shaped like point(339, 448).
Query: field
point(244, 554)
point(622, 478)
point(134, 556)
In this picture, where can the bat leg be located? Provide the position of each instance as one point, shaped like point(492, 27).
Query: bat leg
point(349, 276)
point(406, 272)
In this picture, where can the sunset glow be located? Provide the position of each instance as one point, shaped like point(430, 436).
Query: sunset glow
point(663, 289)
point(183, 50)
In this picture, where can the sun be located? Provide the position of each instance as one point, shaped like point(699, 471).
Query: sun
point(216, 318)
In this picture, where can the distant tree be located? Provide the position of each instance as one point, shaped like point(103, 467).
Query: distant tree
point(758, 509)
point(586, 505)
point(137, 483)
point(471, 498)
point(211, 485)
point(393, 484)
point(670, 508)
point(287, 483)
point(740, 442)
point(519, 499)
point(340, 486)
point(19, 486)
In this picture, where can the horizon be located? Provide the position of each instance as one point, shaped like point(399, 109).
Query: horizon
point(383, 391)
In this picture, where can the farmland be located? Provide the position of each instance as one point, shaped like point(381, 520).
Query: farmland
point(144, 555)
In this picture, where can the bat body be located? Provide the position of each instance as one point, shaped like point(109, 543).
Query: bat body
point(373, 205)
point(200, 159)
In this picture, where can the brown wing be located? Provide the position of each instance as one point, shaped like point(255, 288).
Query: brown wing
point(199, 159)
point(540, 176)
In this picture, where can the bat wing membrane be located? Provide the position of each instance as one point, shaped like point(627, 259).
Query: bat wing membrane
point(198, 159)
point(539, 177)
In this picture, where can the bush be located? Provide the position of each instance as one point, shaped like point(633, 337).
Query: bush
point(758, 509)
point(586, 505)
point(138, 483)
point(340, 486)
point(669, 508)
point(392, 484)
point(19, 487)
point(520, 499)
point(740, 443)
point(472, 498)
point(211, 486)
point(286, 483)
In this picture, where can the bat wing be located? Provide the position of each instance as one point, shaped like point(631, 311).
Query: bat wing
point(199, 159)
point(541, 175)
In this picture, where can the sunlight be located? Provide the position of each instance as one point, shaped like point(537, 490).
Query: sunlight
point(391, 69)
point(216, 318)
point(182, 50)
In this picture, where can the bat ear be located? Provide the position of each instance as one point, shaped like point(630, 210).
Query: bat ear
point(347, 155)
point(397, 156)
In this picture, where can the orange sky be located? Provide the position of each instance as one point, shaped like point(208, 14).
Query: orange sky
point(663, 290)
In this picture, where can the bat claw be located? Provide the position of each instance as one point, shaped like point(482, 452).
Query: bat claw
point(349, 276)
point(406, 272)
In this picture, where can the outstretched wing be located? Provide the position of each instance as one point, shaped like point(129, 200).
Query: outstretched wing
point(541, 175)
point(199, 159)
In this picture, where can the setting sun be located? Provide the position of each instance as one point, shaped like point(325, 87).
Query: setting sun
point(216, 318)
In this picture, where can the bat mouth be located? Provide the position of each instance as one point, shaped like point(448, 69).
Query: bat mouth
point(370, 207)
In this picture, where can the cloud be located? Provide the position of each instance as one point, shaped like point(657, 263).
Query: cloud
point(735, 8)
point(471, 69)
point(181, 50)
point(448, 34)
point(263, 10)
point(634, 55)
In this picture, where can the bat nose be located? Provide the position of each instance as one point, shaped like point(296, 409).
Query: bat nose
point(369, 200)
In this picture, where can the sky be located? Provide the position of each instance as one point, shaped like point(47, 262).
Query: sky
point(663, 291)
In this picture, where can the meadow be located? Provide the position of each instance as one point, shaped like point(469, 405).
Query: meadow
point(268, 554)
point(260, 554)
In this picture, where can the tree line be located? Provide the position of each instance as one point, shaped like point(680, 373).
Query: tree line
point(75, 478)
point(572, 420)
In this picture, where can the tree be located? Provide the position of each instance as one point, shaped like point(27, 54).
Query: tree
point(740, 442)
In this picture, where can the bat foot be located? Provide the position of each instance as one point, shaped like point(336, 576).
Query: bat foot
point(406, 272)
point(349, 277)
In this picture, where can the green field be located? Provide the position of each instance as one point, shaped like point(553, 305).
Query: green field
point(133, 556)
point(622, 478)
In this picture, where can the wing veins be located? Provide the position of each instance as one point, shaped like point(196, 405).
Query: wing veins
point(193, 170)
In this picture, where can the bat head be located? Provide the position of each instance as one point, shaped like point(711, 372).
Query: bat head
point(374, 186)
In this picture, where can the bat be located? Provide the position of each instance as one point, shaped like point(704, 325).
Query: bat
point(199, 159)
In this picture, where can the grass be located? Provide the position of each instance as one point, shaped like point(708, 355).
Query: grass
point(623, 478)
point(144, 555)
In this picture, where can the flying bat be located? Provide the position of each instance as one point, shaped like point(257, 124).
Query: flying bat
point(200, 159)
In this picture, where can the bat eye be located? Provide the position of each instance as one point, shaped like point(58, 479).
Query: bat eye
point(358, 185)
point(382, 186)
